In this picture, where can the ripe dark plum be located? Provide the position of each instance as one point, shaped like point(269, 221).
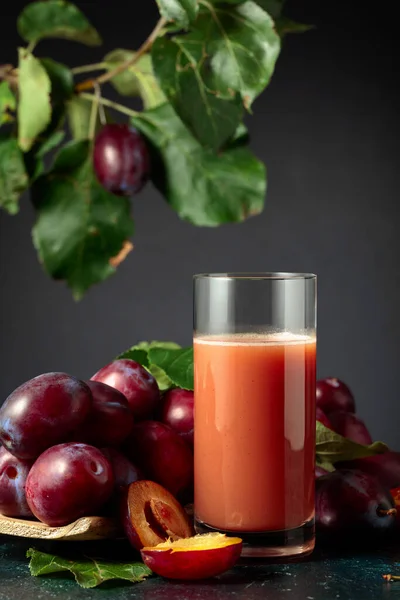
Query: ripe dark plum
point(333, 394)
point(110, 419)
point(178, 413)
point(121, 159)
point(68, 481)
point(13, 474)
point(320, 471)
point(125, 472)
point(138, 385)
point(386, 467)
point(42, 412)
point(350, 426)
point(162, 455)
point(322, 418)
point(350, 500)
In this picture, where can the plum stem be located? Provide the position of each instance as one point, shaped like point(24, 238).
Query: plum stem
point(90, 83)
point(386, 512)
point(102, 66)
point(119, 107)
point(390, 577)
point(94, 112)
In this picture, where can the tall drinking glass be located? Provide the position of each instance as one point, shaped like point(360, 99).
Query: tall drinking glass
point(255, 372)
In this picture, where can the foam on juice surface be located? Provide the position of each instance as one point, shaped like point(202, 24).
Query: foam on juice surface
point(256, 339)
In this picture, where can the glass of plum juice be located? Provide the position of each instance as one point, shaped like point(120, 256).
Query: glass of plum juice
point(254, 434)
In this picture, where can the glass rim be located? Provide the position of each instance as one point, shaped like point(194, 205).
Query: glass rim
point(258, 276)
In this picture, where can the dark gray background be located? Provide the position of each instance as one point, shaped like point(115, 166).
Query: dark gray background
point(327, 129)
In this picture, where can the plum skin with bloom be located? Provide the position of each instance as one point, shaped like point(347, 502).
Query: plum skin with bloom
point(121, 159)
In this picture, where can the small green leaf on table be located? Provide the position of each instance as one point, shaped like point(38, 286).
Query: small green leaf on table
point(177, 364)
point(13, 176)
point(182, 12)
point(7, 102)
point(34, 109)
point(88, 572)
point(187, 79)
point(138, 80)
point(332, 447)
point(204, 188)
point(56, 19)
point(140, 354)
point(80, 227)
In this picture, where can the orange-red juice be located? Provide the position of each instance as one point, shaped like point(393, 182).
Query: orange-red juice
point(254, 431)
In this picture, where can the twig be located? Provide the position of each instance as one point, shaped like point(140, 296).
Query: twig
point(119, 107)
point(90, 83)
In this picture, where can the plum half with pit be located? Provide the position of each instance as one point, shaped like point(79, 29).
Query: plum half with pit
point(68, 481)
point(350, 426)
point(350, 500)
point(178, 413)
point(162, 455)
point(110, 419)
point(333, 394)
point(150, 515)
point(137, 385)
point(42, 412)
point(13, 474)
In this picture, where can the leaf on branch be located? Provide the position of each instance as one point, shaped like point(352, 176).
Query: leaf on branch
point(184, 71)
point(139, 80)
point(332, 447)
point(78, 112)
point(13, 177)
point(182, 12)
point(34, 109)
point(80, 227)
point(56, 19)
point(204, 188)
point(222, 64)
point(176, 364)
point(7, 102)
point(285, 26)
point(88, 572)
point(273, 7)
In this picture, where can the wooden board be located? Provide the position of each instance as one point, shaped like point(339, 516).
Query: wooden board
point(84, 529)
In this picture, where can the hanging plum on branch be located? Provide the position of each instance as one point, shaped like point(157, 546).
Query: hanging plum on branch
point(197, 75)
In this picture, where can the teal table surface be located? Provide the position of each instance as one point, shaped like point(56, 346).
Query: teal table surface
point(326, 575)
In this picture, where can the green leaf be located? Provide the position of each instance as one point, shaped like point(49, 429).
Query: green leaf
point(7, 102)
point(79, 113)
point(240, 46)
point(332, 447)
point(204, 188)
point(138, 80)
point(56, 19)
point(183, 69)
point(34, 110)
point(80, 227)
point(52, 142)
point(273, 7)
point(182, 12)
point(13, 177)
point(140, 353)
point(177, 364)
point(285, 26)
point(88, 572)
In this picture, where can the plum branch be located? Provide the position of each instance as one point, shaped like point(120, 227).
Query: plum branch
point(145, 47)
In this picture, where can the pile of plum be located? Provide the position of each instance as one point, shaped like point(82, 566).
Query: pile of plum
point(72, 449)
point(360, 494)
point(69, 446)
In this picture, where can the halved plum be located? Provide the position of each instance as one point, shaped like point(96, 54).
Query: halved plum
point(198, 557)
point(150, 515)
